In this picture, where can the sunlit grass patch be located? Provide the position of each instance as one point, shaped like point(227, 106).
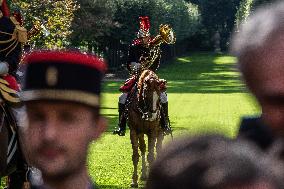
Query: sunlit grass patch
point(205, 96)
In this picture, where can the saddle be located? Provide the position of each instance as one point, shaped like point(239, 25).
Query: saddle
point(130, 83)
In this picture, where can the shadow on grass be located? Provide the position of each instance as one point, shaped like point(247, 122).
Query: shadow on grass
point(228, 85)
point(203, 73)
point(197, 73)
point(108, 186)
point(109, 108)
point(113, 187)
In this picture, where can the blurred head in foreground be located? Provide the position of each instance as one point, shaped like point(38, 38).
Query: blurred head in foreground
point(213, 162)
point(259, 47)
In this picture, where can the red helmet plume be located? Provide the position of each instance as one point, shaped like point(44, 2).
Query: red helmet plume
point(144, 30)
point(5, 8)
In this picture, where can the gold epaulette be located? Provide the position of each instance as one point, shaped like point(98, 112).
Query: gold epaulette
point(21, 32)
point(9, 95)
point(19, 35)
point(3, 81)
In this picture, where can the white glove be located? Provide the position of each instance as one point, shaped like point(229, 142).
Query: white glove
point(4, 68)
point(135, 66)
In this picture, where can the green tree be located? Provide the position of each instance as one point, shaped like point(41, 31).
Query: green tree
point(107, 25)
point(218, 18)
point(56, 17)
point(247, 7)
point(93, 21)
point(182, 16)
point(243, 11)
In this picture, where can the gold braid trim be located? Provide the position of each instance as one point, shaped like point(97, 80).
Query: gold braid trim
point(6, 33)
point(8, 94)
point(21, 32)
point(8, 97)
point(57, 94)
point(9, 40)
point(12, 48)
point(8, 46)
point(19, 36)
point(148, 61)
point(4, 81)
point(7, 89)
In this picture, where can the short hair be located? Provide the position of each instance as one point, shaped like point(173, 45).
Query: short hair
point(210, 162)
point(264, 25)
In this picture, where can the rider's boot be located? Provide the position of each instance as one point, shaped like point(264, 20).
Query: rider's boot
point(165, 119)
point(122, 121)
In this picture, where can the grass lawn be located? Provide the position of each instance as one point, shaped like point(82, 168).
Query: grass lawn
point(205, 96)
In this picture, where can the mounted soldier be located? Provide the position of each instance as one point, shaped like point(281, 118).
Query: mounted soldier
point(12, 37)
point(145, 53)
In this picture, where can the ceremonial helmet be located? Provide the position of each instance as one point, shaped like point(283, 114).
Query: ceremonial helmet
point(62, 76)
point(144, 30)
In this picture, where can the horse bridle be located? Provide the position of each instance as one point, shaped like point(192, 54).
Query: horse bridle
point(146, 114)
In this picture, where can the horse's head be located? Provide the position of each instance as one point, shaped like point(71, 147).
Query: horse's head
point(149, 95)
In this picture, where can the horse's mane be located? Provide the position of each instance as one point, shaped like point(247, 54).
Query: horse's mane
point(145, 75)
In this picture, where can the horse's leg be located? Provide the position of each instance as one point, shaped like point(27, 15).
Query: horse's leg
point(3, 149)
point(135, 157)
point(151, 146)
point(159, 144)
point(142, 147)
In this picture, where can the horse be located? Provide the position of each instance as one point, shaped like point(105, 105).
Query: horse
point(144, 111)
point(12, 161)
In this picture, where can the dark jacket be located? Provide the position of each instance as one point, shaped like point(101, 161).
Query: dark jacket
point(13, 49)
point(253, 129)
point(136, 51)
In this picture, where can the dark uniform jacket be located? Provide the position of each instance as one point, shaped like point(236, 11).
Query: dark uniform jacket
point(137, 50)
point(253, 129)
point(10, 52)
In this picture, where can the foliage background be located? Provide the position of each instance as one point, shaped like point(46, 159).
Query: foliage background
point(107, 27)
